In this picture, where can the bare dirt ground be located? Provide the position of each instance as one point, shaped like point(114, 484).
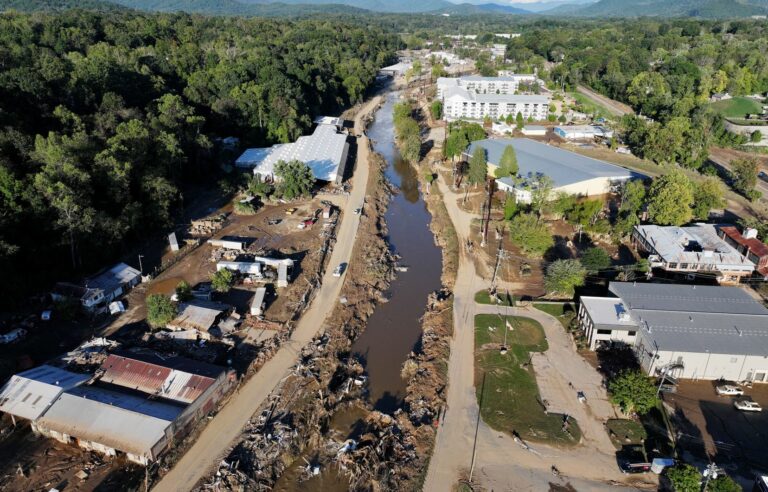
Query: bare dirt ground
point(224, 429)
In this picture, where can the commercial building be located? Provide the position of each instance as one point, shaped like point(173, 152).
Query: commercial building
point(696, 251)
point(687, 331)
point(534, 131)
point(460, 103)
point(508, 84)
point(583, 132)
point(99, 290)
point(138, 405)
point(28, 395)
point(570, 173)
point(499, 51)
point(605, 322)
point(325, 151)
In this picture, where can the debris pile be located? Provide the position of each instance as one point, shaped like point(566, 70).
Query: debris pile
point(207, 226)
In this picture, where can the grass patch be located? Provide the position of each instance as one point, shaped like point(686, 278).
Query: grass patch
point(483, 297)
point(625, 431)
point(738, 107)
point(589, 106)
point(509, 395)
point(565, 313)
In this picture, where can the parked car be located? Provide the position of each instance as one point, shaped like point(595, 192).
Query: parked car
point(763, 175)
point(339, 270)
point(729, 390)
point(747, 406)
point(13, 335)
point(632, 459)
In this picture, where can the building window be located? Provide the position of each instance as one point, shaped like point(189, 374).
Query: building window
point(631, 333)
point(673, 265)
point(683, 266)
point(604, 332)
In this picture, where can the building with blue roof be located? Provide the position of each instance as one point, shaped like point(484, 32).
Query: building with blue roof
point(571, 173)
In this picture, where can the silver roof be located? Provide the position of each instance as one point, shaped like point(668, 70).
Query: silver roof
point(698, 243)
point(562, 166)
point(456, 81)
point(29, 394)
point(687, 298)
point(113, 278)
point(608, 311)
point(696, 318)
point(324, 152)
point(119, 420)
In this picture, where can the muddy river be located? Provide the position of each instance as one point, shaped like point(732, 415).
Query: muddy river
point(394, 328)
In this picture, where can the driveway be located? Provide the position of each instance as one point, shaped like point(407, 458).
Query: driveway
point(221, 432)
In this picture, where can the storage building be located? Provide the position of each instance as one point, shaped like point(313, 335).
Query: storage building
point(28, 395)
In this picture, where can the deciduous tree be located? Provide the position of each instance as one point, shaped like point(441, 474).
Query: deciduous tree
point(633, 391)
point(670, 198)
point(563, 276)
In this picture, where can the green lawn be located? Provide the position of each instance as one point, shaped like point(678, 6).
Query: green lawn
point(483, 297)
point(625, 431)
point(589, 106)
point(509, 396)
point(738, 107)
point(563, 312)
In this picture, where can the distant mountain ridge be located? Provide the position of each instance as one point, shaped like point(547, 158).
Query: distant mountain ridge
point(389, 6)
point(713, 9)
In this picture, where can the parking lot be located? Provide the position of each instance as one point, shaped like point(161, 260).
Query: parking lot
point(709, 425)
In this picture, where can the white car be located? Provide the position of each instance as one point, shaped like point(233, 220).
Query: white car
point(729, 390)
point(747, 406)
point(338, 270)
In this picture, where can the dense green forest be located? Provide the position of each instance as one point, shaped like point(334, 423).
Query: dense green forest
point(106, 117)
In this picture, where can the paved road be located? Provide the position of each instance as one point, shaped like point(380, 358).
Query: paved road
point(224, 429)
point(615, 107)
point(500, 463)
point(722, 157)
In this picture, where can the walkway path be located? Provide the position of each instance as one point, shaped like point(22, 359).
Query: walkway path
point(221, 432)
point(501, 464)
point(615, 107)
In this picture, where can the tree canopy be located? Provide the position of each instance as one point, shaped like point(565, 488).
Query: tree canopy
point(295, 179)
point(508, 163)
point(633, 391)
point(670, 198)
point(563, 276)
point(530, 234)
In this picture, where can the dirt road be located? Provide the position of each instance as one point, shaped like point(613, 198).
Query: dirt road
point(615, 107)
point(500, 463)
point(226, 426)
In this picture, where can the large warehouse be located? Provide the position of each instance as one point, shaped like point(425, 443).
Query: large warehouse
point(689, 331)
point(325, 152)
point(571, 173)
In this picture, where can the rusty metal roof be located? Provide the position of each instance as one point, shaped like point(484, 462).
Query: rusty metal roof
point(174, 378)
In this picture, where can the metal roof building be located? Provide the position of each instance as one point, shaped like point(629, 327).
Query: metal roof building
point(695, 331)
point(197, 315)
point(324, 151)
point(570, 172)
point(109, 421)
point(29, 394)
point(694, 249)
point(173, 378)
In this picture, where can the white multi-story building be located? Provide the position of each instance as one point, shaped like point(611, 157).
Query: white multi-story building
point(459, 103)
point(508, 84)
point(499, 51)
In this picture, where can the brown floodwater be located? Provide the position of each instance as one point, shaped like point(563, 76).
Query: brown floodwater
point(393, 330)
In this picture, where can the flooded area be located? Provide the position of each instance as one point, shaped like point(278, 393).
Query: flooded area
point(394, 328)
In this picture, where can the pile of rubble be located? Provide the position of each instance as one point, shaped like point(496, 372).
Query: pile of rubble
point(207, 226)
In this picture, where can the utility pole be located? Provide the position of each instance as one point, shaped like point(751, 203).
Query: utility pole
point(477, 428)
point(141, 268)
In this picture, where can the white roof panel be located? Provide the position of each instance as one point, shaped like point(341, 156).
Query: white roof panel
point(29, 394)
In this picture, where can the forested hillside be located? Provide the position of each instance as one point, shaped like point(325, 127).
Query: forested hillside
point(105, 117)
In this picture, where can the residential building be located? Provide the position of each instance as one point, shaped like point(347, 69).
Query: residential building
point(583, 132)
point(498, 51)
point(98, 291)
point(687, 331)
point(397, 69)
point(325, 151)
point(695, 251)
point(508, 84)
point(570, 173)
point(459, 103)
point(28, 395)
point(748, 246)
